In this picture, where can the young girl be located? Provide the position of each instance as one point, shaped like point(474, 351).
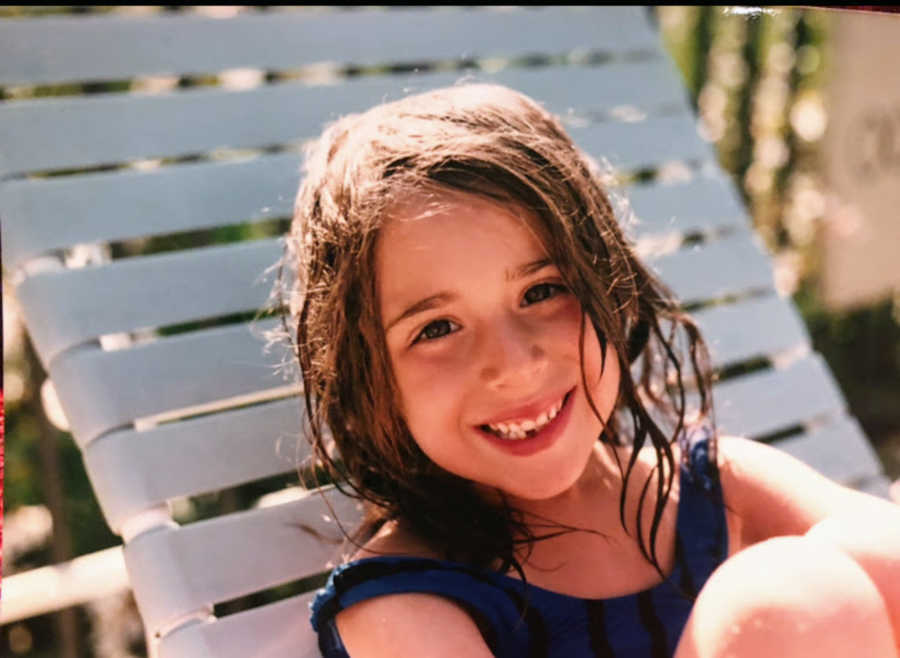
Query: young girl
point(488, 365)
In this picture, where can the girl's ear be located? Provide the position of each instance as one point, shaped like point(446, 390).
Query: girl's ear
point(637, 339)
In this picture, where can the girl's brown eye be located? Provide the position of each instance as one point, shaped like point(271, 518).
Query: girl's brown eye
point(541, 292)
point(435, 330)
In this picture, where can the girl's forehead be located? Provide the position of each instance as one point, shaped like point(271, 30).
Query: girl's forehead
point(456, 241)
point(459, 215)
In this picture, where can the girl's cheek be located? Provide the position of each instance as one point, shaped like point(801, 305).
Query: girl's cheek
point(568, 327)
point(433, 366)
point(431, 384)
point(563, 327)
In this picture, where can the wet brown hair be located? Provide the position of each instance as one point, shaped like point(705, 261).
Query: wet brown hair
point(497, 143)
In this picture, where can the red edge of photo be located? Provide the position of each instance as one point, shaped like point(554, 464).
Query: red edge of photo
point(2, 450)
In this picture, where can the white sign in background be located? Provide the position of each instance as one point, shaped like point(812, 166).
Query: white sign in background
point(861, 236)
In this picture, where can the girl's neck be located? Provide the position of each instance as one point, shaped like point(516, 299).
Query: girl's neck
point(590, 501)
point(595, 556)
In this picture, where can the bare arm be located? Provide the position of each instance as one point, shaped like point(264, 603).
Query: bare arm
point(410, 625)
point(775, 494)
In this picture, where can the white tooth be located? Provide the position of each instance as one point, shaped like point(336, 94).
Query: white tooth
point(518, 430)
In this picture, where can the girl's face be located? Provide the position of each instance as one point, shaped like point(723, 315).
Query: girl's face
point(483, 339)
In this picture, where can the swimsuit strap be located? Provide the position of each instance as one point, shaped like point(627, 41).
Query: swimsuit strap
point(702, 537)
point(494, 602)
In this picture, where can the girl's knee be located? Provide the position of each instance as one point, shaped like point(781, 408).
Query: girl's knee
point(789, 596)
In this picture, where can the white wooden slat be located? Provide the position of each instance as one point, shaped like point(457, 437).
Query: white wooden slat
point(751, 328)
point(116, 47)
point(768, 401)
point(105, 390)
point(879, 486)
point(55, 587)
point(126, 204)
point(839, 451)
point(63, 308)
point(702, 204)
point(276, 630)
point(729, 266)
point(644, 144)
point(177, 570)
point(199, 195)
point(135, 470)
point(111, 128)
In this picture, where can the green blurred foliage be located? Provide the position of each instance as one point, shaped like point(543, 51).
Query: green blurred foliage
point(739, 65)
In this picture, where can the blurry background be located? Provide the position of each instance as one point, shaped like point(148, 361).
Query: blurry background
point(763, 82)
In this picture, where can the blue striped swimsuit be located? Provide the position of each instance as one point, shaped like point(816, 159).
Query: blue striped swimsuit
point(521, 620)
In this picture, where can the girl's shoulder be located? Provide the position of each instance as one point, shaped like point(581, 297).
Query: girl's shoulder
point(396, 596)
point(407, 623)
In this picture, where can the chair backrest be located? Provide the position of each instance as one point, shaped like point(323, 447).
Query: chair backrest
point(165, 382)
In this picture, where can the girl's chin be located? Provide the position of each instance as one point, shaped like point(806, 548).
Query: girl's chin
point(555, 480)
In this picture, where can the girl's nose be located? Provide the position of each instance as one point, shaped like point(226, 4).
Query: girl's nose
point(511, 356)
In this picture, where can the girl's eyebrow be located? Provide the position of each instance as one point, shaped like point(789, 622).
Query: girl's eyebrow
point(430, 302)
point(528, 268)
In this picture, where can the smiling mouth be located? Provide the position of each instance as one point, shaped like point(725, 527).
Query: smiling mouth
point(525, 429)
